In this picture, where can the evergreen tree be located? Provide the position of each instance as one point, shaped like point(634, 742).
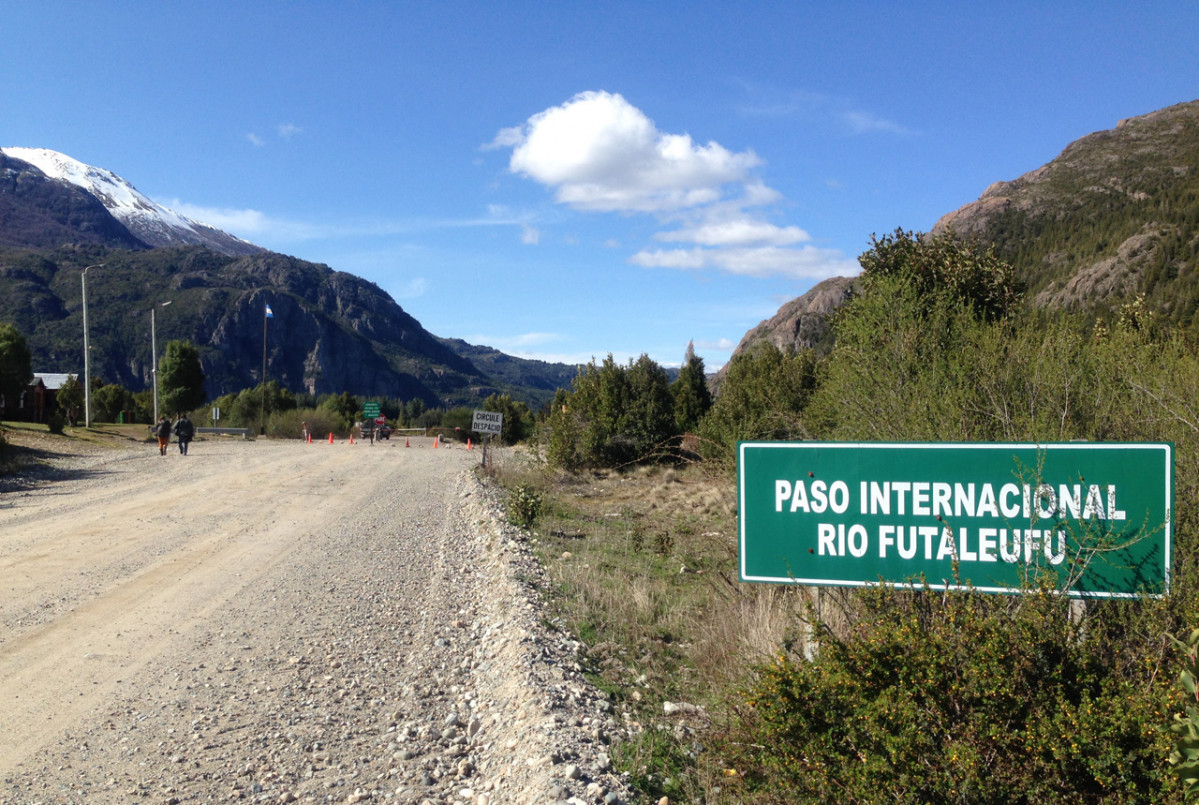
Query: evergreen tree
point(764, 395)
point(518, 419)
point(614, 415)
point(692, 399)
point(180, 378)
point(16, 370)
point(70, 399)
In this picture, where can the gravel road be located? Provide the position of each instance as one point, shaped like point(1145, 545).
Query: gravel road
point(282, 622)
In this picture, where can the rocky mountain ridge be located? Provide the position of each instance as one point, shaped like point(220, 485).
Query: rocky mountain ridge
point(330, 331)
point(147, 220)
point(1115, 215)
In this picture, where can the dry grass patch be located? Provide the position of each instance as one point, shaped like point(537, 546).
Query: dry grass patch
point(644, 568)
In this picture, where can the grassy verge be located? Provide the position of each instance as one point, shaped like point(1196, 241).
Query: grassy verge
point(643, 567)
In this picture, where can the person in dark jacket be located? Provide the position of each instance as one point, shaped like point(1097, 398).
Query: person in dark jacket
point(184, 431)
point(163, 431)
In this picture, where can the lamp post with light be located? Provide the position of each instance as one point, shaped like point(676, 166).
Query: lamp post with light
point(87, 373)
point(154, 355)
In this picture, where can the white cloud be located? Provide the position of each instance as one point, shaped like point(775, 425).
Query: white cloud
point(414, 288)
point(506, 138)
point(288, 130)
point(860, 122)
point(255, 140)
point(719, 345)
point(601, 153)
point(248, 223)
point(231, 220)
point(807, 262)
point(842, 113)
point(739, 232)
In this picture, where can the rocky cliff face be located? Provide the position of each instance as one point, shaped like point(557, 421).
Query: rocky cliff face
point(1139, 156)
point(802, 323)
point(330, 331)
point(1113, 216)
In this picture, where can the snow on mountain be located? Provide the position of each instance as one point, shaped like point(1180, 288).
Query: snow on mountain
point(149, 221)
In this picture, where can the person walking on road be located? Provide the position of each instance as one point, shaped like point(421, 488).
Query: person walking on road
point(184, 431)
point(163, 431)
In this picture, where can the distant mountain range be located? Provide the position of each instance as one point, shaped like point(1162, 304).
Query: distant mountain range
point(329, 331)
point(1114, 216)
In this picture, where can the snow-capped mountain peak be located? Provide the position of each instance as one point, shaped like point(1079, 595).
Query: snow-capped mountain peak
point(148, 220)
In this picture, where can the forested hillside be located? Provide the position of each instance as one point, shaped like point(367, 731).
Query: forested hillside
point(1114, 216)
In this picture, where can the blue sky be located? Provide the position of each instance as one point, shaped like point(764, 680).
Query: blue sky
point(564, 180)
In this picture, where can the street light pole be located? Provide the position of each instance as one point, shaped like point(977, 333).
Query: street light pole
point(154, 356)
point(87, 373)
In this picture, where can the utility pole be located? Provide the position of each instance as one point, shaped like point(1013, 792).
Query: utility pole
point(266, 314)
point(154, 356)
point(87, 373)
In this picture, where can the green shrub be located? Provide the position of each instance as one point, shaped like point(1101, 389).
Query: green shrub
point(1185, 756)
point(961, 697)
point(320, 422)
point(524, 505)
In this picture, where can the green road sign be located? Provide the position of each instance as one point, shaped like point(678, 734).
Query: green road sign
point(370, 409)
point(994, 517)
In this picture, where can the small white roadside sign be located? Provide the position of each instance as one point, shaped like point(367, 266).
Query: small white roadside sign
point(488, 422)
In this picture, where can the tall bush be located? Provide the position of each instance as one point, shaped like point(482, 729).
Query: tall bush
point(613, 416)
point(764, 396)
point(964, 698)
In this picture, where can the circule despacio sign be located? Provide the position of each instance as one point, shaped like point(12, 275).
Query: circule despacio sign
point(994, 517)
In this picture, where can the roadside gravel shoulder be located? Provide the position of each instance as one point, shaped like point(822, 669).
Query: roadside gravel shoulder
point(553, 728)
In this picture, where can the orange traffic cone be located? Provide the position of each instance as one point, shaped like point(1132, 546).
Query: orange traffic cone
point(468, 447)
point(435, 441)
point(330, 437)
point(406, 442)
point(351, 437)
point(310, 438)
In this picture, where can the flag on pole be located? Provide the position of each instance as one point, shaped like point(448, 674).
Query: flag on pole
point(269, 314)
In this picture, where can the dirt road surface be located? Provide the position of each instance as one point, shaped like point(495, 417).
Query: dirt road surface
point(282, 622)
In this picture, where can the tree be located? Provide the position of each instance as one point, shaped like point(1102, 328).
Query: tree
point(614, 415)
point(246, 408)
point(181, 378)
point(70, 399)
point(345, 405)
point(764, 396)
point(518, 419)
point(692, 399)
point(647, 422)
point(109, 401)
point(16, 370)
point(944, 266)
point(413, 410)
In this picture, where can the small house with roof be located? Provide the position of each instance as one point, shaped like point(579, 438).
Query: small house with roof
point(38, 400)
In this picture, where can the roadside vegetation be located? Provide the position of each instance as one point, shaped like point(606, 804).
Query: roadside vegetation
point(753, 693)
